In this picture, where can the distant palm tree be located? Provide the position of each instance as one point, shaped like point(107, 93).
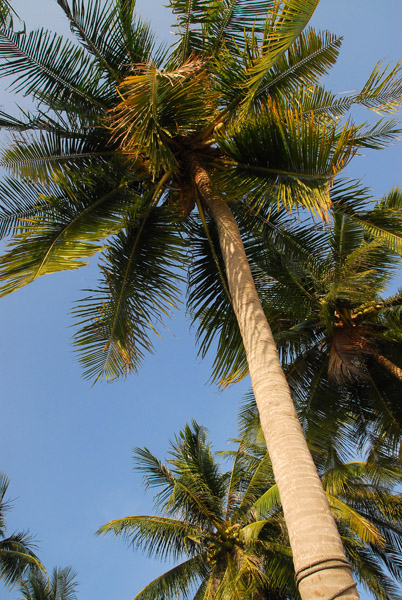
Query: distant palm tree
point(128, 139)
point(39, 586)
point(229, 527)
point(16, 551)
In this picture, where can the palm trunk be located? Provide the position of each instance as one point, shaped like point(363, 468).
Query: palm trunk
point(322, 571)
point(387, 364)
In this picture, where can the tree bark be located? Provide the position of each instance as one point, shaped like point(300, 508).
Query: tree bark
point(387, 364)
point(322, 571)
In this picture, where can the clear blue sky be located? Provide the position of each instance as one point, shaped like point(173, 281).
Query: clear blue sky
point(67, 446)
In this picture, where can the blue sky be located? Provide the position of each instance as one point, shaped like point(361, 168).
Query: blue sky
point(67, 446)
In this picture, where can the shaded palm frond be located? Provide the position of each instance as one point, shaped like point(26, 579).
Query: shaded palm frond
point(136, 292)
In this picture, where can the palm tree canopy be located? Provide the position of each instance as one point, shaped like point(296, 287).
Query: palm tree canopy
point(61, 585)
point(17, 556)
point(106, 153)
point(229, 529)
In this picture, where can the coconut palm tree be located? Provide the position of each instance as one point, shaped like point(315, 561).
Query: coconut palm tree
point(207, 517)
point(229, 528)
point(338, 334)
point(233, 111)
point(16, 550)
point(60, 585)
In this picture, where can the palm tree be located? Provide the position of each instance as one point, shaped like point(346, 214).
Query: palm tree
point(235, 109)
point(229, 527)
point(39, 586)
point(16, 550)
point(338, 335)
point(208, 518)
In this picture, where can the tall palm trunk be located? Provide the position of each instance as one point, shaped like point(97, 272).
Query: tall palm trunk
point(322, 570)
point(387, 364)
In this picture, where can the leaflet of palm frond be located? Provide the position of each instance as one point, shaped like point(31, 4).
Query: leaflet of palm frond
point(383, 89)
point(310, 57)
point(133, 297)
point(60, 585)
point(206, 26)
point(377, 136)
point(43, 156)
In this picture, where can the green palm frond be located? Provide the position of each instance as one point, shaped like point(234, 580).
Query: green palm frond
point(383, 90)
point(199, 488)
point(6, 14)
point(19, 202)
point(261, 478)
point(294, 160)
point(379, 135)
point(381, 93)
point(310, 56)
point(176, 582)
point(283, 27)
point(61, 585)
point(17, 556)
point(43, 156)
point(136, 293)
point(157, 106)
point(67, 226)
point(232, 18)
point(356, 524)
point(155, 474)
point(381, 222)
point(109, 32)
point(43, 63)
point(157, 536)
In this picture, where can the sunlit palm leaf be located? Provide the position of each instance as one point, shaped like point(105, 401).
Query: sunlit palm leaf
point(293, 160)
point(108, 31)
point(287, 21)
point(156, 536)
point(178, 581)
point(66, 229)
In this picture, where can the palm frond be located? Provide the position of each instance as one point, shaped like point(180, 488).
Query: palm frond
point(293, 160)
point(177, 581)
point(63, 231)
point(157, 106)
point(284, 25)
point(155, 474)
point(310, 57)
point(157, 536)
point(383, 90)
point(109, 32)
point(42, 64)
point(19, 202)
point(138, 289)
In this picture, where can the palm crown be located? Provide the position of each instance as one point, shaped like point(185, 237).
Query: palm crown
point(228, 525)
point(238, 92)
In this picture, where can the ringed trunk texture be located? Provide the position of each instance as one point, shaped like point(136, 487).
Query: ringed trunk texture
point(322, 571)
point(387, 364)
